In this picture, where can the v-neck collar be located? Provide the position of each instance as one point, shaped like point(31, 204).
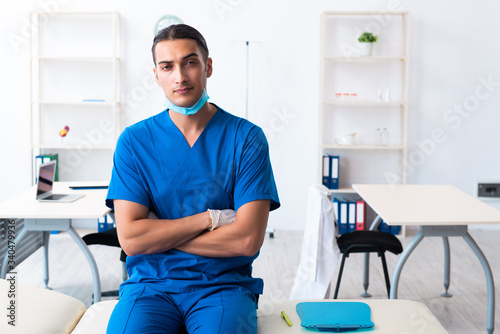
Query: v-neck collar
point(171, 123)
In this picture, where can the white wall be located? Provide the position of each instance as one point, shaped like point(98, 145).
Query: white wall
point(453, 51)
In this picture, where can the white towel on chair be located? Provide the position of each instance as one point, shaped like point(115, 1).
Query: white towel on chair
point(320, 253)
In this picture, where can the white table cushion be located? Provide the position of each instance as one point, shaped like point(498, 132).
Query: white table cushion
point(38, 310)
point(95, 320)
point(44, 311)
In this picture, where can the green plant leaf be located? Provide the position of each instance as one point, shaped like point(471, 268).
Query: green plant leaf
point(367, 37)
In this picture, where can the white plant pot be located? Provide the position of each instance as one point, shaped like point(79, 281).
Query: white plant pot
point(365, 49)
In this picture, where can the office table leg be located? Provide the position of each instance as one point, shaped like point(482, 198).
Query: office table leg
point(447, 263)
point(45, 248)
point(90, 258)
point(399, 266)
point(5, 260)
point(366, 266)
point(490, 322)
point(366, 276)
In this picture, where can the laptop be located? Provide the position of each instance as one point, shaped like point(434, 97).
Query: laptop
point(46, 174)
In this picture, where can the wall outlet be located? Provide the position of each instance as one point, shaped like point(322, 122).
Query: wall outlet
point(488, 190)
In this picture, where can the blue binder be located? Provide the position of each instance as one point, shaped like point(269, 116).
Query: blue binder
point(334, 172)
point(351, 217)
point(326, 171)
point(344, 214)
point(334, 316)
point(383, 227)
point(104, 225)
point(395, 229)
point(331, 171)
point(336, 210)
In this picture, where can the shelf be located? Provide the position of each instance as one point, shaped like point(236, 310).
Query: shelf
point(80, 103)
point(346, 190)
point(362, 147)
point(364, 13)
point(77, 59)
point(370, 58)
point(365, 103)
point(71, 146)
point(80, 13)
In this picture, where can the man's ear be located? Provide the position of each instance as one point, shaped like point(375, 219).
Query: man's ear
point(209, 68)
point(156, 77)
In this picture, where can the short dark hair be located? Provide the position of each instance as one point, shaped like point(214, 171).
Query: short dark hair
point(180, 31)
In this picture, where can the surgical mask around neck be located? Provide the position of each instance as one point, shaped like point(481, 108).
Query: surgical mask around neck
point(189, 110)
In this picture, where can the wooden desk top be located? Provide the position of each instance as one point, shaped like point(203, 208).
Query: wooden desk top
point(24, 205)
point(405, 204)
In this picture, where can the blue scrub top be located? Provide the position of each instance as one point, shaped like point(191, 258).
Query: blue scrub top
point(227, 167)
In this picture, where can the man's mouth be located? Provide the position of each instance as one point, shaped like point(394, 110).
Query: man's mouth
point(183, 90)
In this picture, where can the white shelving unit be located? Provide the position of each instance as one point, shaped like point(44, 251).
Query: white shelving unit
point(344, 71)
point(75, 71)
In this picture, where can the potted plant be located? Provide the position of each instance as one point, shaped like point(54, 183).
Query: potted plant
point(366, 41)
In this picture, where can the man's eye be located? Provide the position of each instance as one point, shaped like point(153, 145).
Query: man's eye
point(166, 67)
point(191, 62)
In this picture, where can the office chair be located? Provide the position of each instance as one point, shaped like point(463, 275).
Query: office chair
point(367, 242)
point(108, 238)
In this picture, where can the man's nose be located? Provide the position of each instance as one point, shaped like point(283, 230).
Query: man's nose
point(180, 75)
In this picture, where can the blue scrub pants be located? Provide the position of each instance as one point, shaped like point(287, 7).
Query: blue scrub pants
point(143, 308)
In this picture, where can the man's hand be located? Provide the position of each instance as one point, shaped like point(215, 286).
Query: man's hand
point(244, 237)
point(221, 217)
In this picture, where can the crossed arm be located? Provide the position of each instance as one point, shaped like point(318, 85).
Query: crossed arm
point(140, 235)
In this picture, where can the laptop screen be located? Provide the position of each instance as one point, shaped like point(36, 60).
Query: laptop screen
point(46, 175)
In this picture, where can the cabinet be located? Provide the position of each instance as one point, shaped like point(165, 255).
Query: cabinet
point(75, 70)
point(360, 94)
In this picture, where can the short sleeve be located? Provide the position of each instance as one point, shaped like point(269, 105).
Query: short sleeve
point(254, 173)
point(126, 182)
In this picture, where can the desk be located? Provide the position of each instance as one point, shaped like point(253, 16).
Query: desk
point(46, 217)
point(440, 211)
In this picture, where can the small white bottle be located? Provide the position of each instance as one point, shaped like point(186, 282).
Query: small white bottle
point(378, 137)
point(387, 95)
point(379, 95)
point(384, 137)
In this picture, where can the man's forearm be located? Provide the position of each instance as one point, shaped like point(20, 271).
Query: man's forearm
point(140, 235)
point(226, 241)
point(159, 235)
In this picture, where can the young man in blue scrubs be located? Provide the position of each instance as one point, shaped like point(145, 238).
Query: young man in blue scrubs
point(207, 176)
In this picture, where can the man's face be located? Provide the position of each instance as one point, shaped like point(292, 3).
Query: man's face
point(180, 71)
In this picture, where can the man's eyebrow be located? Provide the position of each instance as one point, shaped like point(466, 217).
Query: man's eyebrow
point(194, 54)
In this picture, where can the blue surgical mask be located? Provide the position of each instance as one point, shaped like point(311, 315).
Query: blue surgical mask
point(189, 110)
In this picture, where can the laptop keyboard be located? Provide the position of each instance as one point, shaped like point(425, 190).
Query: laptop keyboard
point(54, 197)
